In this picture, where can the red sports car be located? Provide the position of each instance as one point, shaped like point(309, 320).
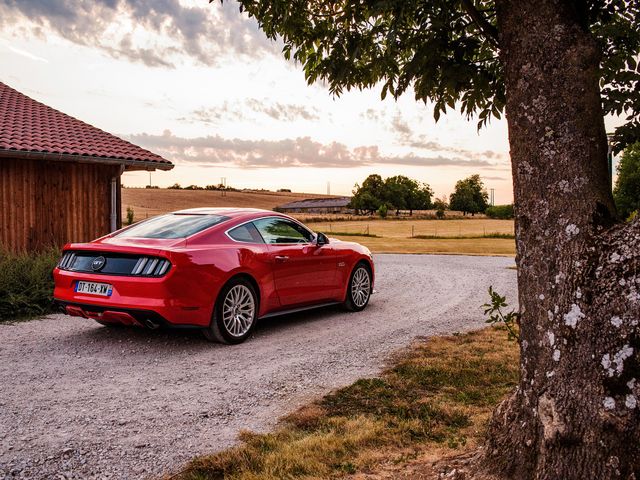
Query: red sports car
point(216, 269)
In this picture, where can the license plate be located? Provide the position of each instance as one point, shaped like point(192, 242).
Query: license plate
point(94, 288)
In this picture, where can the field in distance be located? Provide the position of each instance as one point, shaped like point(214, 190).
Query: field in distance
point(147, 202)
point(475, 236)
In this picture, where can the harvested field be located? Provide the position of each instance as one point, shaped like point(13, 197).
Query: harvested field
point(471, 227)
point(471, 236)
point(149, 202)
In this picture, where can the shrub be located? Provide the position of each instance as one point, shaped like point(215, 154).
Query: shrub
point(632, 216)
point(440, 213)
point(130, 214)
point(382, 211)
point(503, 212)
point(175, 186)
point(26, 283)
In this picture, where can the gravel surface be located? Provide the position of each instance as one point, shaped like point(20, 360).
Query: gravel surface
point(78, 400)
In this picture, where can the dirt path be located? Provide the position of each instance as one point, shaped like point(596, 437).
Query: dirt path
point(83, 401)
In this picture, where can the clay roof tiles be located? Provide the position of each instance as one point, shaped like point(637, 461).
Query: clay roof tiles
point(27, 125)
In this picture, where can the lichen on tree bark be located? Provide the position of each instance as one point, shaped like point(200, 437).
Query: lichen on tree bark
point(575, 413)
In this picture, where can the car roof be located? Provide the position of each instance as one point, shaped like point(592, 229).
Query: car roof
point(233, 213)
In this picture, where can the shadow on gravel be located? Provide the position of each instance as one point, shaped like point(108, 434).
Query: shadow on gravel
point(161, 338)
point(274, 325)
point(164, 340)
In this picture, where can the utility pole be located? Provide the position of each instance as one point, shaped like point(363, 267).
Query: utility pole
point(328, 188)
point(223, 185)
point(493, 190)
point(610, 158)
point(149, 178)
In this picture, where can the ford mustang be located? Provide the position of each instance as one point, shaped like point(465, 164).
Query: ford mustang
point(216, 269)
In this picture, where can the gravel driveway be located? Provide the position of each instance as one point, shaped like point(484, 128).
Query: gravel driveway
point(78, 400)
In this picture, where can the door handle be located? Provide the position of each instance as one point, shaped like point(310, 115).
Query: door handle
point(281, 258)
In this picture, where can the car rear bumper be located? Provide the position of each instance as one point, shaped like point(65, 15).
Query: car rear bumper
point(121, 316)
point(148, 302)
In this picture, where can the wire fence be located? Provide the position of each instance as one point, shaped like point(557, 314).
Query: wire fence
point(420, 231)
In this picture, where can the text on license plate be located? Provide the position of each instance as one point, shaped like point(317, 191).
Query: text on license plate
point(94, 288)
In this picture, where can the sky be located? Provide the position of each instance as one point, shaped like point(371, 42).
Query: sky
point(201, 85)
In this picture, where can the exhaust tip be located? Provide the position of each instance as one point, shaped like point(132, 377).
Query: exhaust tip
point(151, 325)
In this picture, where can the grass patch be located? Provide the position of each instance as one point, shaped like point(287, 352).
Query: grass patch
point(462, 237)
point(26, 284)
point(478, 236)
point(438, 394)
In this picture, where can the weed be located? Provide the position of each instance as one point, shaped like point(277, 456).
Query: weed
point(26, 283)
point(438, 394)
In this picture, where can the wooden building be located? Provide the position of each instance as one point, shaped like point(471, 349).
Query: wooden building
point(59, 177)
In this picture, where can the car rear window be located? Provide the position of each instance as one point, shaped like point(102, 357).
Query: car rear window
point(246, 233)
point(174, 225)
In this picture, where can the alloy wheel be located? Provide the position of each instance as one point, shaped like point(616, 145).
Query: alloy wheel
point(238, 310)
point(360, 287)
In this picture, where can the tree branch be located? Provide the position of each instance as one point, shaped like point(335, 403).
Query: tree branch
point(490, 32)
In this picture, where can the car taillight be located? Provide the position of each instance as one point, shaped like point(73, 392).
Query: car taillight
point(151, 266)
point(114, 264)
point(67, 260)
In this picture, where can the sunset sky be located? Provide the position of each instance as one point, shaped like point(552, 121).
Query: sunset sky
point(201, 85)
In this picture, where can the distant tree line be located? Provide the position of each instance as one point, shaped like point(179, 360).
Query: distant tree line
point(394, 193)
point(220, 186)
point(378, 195)
point(469, 196)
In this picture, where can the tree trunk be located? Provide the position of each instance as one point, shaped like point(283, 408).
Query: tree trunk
point(575, 413)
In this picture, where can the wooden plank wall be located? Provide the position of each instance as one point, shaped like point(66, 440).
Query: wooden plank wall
point(47, 203)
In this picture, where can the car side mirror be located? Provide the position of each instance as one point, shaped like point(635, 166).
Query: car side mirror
point(321, 239)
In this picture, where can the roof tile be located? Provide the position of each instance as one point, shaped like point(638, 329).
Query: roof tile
point(30, 126)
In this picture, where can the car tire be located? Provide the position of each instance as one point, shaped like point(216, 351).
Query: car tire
point(359, 288)
point(235, 313)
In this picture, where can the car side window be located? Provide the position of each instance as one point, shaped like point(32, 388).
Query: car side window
point(246, 233)
point(282, 231)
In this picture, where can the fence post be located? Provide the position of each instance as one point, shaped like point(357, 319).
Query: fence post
point(412, 231)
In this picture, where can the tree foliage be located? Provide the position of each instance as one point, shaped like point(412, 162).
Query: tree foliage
point(447, 51)
point(627, 190)
point(397, 193)
point(469, 196)
point(504, 212)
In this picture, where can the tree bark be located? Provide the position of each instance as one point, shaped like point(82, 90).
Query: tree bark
point(575, 414)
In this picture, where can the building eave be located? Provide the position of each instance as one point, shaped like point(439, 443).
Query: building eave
point(129, 164)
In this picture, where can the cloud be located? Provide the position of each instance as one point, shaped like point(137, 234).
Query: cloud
point(486, 177)
point(408, 138)
point(282, 111)
point(290, 152)
point(372, 114)
point(401, 127)
point(242, 111)
point(225, 111)
point(158, 33)
point(28, 55)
